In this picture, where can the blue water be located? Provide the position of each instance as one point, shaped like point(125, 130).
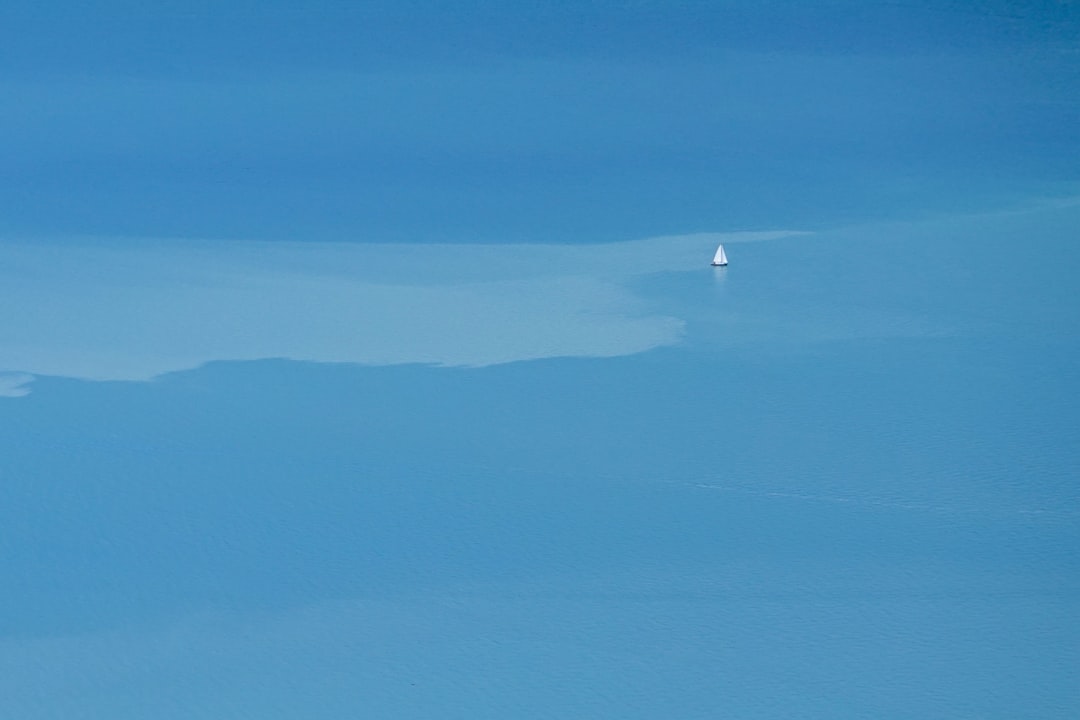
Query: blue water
point(298, 419)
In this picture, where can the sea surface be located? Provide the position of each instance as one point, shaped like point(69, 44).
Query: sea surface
point(352, 372)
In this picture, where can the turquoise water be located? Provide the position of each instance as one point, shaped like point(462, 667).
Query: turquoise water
point(477, 431)
point(848, 489)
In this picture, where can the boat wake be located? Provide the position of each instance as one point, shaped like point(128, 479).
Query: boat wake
point(878, 503)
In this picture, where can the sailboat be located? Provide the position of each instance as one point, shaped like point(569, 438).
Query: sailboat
point(720, 259)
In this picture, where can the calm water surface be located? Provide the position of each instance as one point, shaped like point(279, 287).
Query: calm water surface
point(247, 472)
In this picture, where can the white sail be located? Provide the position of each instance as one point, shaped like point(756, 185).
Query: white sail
point(720, 258)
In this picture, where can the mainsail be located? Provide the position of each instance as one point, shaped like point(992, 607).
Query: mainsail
point(720, 258)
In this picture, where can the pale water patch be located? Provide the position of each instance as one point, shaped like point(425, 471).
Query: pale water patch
point(120, 311)
point(15, 384)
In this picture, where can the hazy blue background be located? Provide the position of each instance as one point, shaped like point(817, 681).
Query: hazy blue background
point(511, 121)
point(363, 360)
